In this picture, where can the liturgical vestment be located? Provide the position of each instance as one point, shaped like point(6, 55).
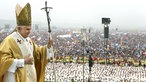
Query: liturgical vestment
point(15, 47)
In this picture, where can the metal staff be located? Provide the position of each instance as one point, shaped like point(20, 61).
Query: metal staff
point(47, 13)
point(47, 9)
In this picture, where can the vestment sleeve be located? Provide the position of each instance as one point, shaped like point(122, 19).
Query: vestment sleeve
point(6, 58)
point(40, 59)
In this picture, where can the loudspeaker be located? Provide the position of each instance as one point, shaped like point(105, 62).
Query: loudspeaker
point(106, 32)
point(106, 20)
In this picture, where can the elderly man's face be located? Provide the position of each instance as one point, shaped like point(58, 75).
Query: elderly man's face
point(25, 31)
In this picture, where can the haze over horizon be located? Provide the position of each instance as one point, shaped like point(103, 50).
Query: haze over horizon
point(124, 14)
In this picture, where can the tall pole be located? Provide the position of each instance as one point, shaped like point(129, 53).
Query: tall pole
point(106, 31)
point(47, 9)
point(106, 21)
point(106, 35)
point(90, 53)
point(116, 44)
point(83, 58)
point(84, 39)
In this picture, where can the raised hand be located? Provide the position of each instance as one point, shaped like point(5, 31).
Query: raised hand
point(50, 43)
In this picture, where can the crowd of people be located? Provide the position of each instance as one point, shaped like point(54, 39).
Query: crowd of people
point(73, 72)
point(121, 45)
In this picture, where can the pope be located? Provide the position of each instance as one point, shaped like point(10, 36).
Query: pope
point(21, 60)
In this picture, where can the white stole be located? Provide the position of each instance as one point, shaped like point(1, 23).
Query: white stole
point(26, 48)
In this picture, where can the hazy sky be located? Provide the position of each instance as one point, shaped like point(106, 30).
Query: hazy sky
point(83, 13)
